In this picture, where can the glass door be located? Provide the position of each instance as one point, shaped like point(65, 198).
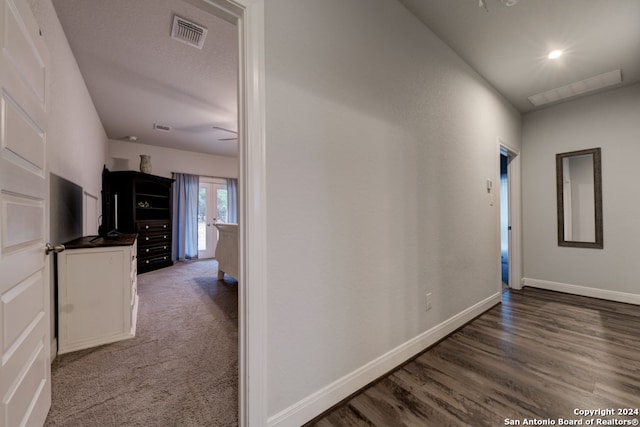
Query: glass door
point(212, 208)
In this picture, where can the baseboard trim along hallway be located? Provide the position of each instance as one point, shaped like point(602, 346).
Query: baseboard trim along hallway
point(540, 358)
point(318, 402)
point(583, 291)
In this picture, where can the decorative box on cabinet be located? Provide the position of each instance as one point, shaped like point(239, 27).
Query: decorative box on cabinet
point(144, 206)
point(97, 292)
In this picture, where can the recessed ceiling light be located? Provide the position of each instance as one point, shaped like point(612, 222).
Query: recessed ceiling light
point(555, 54)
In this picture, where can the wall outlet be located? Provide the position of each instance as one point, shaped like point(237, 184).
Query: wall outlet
point(427, 301)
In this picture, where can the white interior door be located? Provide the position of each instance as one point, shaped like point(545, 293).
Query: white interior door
point(212, 208)
point(25, 345)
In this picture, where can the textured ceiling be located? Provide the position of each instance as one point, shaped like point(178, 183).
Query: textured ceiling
point(508, 45)
point(137, 75)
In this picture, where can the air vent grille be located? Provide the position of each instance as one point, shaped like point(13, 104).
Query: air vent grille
point(188, 32)
point(578, 88)
point(163, 128)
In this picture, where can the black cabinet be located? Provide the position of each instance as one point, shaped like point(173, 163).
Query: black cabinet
point(140, 203)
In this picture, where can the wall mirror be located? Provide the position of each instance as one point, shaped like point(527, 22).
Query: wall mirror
point(579, 197)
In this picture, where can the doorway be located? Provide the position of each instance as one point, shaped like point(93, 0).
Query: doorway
point(504, 216)
point(213, 206)
point(510, 211)
point(248, 15)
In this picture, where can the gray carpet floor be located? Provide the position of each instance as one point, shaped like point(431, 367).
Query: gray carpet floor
point(181, 369)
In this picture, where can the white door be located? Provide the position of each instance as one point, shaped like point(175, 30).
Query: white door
point(25, 343)
point(212, 208)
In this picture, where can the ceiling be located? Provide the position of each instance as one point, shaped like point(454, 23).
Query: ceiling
point(137, 75)
point(508, 46)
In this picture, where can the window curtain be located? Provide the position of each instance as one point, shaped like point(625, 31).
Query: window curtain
point(232, 200)
point(185, 216)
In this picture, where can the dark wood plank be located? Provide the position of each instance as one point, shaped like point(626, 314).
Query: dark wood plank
point(538, 355)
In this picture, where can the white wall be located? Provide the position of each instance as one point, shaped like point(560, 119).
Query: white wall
point(164, 161)
point(76, 141)
point(380, 140)
point(610, 121)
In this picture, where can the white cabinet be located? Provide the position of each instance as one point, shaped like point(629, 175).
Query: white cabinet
point(97, 292)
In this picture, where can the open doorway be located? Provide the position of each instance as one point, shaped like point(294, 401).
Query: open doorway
point(504, 216)
point(213, 207)
point(247, 17)
point(510, 241)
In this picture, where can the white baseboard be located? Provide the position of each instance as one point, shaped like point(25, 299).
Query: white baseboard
point(583, 291)
point(318, 402)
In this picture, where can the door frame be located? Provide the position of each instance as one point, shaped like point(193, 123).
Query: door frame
point(515, 214)
point(248, 16)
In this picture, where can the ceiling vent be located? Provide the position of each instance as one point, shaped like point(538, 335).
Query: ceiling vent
point(188, 32)
point(578, 88)
point(163, 128)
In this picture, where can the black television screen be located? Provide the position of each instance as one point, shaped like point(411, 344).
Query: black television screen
point(66, 214)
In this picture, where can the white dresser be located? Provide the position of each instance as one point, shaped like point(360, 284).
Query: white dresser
point(97, 292)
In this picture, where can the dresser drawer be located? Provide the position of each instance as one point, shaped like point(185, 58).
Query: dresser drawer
point(153, 239)
point(150, 251)
point(152, 226)
point(154, 260)
point(159, 253)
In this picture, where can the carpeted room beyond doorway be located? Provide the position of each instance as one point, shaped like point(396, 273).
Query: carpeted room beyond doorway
point(180, 369)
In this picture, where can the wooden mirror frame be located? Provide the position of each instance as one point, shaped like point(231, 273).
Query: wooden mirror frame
point(597, 191)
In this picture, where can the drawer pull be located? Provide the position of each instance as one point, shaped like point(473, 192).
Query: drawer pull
point(147, 261)
point(165, 226)
point(146, 238)
point(164, 247)
point(147, 250)
point(147, 227)
point(164, 237)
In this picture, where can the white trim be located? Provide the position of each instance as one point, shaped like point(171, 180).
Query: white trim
point(253, 223)
point(248, 15)
point(515, 215)
point(318, 402)
point(583, 291)
point(212, 180)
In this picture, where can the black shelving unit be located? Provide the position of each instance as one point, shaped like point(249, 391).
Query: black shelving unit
point(144, 207)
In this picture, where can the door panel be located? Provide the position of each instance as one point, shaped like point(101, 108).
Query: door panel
point(25, 344)
point(22, 137)
point(21, 305)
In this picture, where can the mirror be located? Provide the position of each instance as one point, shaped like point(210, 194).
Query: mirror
point(579, 196)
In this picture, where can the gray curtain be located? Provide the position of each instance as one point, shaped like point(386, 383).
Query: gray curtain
point(232, 200)
point(185, 216)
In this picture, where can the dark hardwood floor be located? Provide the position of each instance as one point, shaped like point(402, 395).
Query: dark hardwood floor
point(536, 358)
